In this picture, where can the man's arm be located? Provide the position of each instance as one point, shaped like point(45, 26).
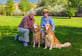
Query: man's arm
point(25, 22)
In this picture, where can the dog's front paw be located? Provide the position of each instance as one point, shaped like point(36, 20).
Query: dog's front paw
point(38, 46)
point(50, 48)
point(45, 48)
point(59, 47)
point(33, 46)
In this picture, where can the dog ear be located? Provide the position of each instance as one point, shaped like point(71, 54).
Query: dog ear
point(50, 27)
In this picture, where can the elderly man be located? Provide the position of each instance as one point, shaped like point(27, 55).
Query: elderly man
point(25, 27)
point(46, 20)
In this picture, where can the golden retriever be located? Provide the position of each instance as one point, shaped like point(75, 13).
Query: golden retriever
point(50, 39)
point(36, 35)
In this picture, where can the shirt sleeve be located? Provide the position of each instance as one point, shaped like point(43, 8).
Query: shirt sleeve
point(41, 24)
point(33, 20)
point(52, 24)
point(25, 22)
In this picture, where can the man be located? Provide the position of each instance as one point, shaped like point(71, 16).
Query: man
point(46, 20)
point(25, 27)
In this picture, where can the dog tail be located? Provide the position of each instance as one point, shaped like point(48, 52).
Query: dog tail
point(67, 44)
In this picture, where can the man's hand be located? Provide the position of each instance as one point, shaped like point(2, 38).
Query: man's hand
point(25, 27)
point(31, 29)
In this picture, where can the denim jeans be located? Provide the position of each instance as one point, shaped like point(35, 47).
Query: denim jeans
point(25, 33)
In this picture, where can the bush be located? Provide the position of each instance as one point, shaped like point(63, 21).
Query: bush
point(70, 12)
point(17, 13)
point(57, 9)
point(54, 10)
point(39, 10)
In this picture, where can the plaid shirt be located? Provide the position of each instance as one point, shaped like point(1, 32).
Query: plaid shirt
point(27, 22)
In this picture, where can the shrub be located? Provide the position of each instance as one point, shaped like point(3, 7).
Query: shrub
point(54, 10)
point(70, 12)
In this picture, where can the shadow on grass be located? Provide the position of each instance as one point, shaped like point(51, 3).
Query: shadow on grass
point(9, 47)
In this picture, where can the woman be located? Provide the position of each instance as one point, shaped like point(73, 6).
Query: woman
point(46, 19)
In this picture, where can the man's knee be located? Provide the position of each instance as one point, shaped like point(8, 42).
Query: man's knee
point(27, 31)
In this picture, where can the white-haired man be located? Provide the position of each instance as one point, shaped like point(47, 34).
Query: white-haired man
point(25, 27)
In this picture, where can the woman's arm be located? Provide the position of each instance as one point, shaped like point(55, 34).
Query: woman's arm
point(52, 24)
point(41, 24)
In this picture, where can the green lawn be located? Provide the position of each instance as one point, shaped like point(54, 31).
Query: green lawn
point(65, 30)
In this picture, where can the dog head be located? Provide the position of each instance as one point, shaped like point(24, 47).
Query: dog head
point(47, 28)
point(35, 27)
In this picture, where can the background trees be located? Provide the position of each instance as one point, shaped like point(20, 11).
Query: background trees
point(2, 9)
point(10, 7)
point(56, 7)
point(24, 6)
point(71, 6)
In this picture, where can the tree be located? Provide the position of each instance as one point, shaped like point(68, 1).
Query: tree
point(2, 9)
point(71, 7)
point(56, 7)
point(24, 6)
point(10, 7)
point(76, 3)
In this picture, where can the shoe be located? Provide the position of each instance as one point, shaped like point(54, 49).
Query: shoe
point(25, 43)
point(16, 37)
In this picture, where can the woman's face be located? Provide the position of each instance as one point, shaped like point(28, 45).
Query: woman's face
point(45, 14)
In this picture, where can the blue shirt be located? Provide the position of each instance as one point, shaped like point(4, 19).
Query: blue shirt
point(48, 21)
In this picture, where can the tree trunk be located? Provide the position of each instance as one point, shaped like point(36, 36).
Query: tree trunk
point(69, 17)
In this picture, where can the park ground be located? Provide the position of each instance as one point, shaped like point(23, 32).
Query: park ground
point(66, 30)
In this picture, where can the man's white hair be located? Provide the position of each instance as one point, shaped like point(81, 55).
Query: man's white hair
point(32, 11)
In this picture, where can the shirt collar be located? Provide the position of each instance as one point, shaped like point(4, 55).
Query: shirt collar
point(30, 18)
point(45, 19)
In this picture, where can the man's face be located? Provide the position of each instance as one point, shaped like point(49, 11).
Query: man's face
point(32, 15)
point(45, 14)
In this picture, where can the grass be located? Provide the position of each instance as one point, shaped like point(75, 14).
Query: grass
point(65, 30)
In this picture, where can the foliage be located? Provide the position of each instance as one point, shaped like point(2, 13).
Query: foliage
point(10, 7)
point(70, 10)
point(24, 6)
point(18, 13)
point(76, 3)
point(56, 7)
point(4, 11)
point(71, 7)
point(39, 10)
